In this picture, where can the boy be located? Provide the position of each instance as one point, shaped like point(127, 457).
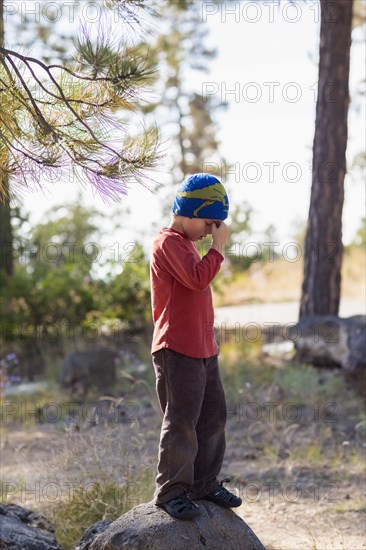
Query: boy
point(184, 351)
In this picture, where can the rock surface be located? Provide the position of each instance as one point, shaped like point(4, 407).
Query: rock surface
point(330, 341)
point(23, 529)
point(83, 369)
point(90, 534)
point(147, 527)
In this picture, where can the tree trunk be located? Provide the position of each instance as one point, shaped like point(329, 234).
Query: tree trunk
point(6, 235)
point(323, 244)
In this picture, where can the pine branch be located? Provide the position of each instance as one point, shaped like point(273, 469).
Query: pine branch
point(75, 121)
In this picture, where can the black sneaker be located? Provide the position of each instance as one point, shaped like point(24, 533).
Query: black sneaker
point(223, 497)
point(181, 507)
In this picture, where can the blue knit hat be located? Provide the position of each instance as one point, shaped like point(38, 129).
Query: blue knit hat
point(202, 196)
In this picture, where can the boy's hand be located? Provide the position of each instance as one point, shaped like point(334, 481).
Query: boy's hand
point(219, 236)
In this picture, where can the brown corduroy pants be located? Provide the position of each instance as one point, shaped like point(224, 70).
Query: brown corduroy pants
point(192, 440)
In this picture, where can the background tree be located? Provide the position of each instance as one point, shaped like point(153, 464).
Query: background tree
point(57, 282)
point(323, 244)
point(187, 116)
point(6, 234)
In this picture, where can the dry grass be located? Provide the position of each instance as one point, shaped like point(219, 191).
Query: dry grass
point(296, 442)
point(105, 470)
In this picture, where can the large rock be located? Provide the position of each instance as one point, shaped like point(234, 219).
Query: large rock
point(90, 534)
point(330, 341)
point(147, 527)
point(23, 529)
point(83, 369)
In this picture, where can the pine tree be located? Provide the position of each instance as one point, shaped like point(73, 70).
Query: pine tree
point(188, 116)
point(57, 118)
point(323, 244)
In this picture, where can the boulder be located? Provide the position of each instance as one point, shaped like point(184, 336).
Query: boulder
point(83, 369)
point(148, 527)
point(330, 341)
point(23, 529)
point(90, 534)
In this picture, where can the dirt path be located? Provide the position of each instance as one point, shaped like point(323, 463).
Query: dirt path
point(325, 512)
point(278, 312)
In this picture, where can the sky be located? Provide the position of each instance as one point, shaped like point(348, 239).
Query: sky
point(266, 68)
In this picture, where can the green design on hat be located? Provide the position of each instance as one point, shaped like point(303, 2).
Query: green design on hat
point(201, 196)
point(210, 194)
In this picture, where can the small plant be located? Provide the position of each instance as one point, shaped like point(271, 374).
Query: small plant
point(97, 501)
point(99, 473)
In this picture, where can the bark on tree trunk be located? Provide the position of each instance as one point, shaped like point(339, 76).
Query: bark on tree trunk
point(323, 245)
point(6, 234)
point(6, 238)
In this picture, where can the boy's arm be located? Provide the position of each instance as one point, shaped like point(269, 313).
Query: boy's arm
point(183, 265)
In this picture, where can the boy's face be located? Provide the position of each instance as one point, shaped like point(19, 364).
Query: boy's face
point(197, 228)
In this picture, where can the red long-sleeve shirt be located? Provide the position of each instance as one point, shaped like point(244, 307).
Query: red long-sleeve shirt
point(181, 297)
